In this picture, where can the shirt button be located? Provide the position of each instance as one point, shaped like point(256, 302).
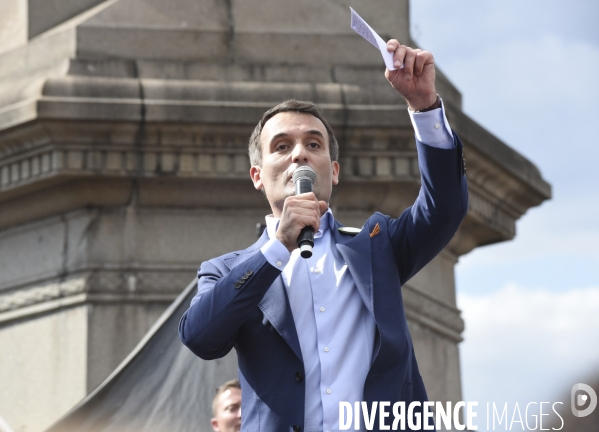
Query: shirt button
point(322, 309)
point(329, 391)
point(279, 263)
point(317, 270)
point(437, 125)
point(326, 349)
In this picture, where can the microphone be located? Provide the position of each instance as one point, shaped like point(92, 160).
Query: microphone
point(304, 177)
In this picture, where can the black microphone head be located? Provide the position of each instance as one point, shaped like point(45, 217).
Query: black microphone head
point(304, 173)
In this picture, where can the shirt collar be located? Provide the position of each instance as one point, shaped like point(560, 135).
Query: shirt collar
point(326, 221)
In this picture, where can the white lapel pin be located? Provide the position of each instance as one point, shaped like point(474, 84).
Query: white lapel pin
point(349, 230)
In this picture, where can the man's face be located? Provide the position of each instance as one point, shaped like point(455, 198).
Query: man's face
point(288, 141)
point(228, 411)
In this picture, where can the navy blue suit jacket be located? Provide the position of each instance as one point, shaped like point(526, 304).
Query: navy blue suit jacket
point(243, 302)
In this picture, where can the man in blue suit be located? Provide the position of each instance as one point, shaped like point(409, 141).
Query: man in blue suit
point(311, 333)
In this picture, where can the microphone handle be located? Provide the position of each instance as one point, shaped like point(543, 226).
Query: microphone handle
point(305, 241)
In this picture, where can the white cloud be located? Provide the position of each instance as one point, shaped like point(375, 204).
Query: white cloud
point(526, 345)
point(561, 227)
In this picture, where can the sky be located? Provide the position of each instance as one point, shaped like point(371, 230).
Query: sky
point(528, 73)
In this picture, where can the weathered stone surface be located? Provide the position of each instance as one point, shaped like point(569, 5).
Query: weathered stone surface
point(13, 28)
point(43, 367)
point(46, 14)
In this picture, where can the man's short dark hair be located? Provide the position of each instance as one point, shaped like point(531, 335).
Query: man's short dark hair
point(223, 388)
point(255, 148)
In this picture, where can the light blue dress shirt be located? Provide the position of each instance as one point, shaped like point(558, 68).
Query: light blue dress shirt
point(335, 330)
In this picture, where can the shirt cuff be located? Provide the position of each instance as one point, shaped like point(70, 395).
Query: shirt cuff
point(275, 253)
point(432, 128)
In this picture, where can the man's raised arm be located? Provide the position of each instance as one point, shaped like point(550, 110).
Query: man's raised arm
point(424, 229)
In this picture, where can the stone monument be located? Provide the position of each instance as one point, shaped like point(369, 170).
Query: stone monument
point(123, 165)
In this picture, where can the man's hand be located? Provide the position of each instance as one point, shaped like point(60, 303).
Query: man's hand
point(416, 81)
point(299, 211)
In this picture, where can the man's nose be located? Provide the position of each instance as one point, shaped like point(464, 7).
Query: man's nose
point(299, 154)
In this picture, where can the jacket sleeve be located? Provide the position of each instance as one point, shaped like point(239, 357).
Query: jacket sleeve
point(223, 303)
point(425, 228)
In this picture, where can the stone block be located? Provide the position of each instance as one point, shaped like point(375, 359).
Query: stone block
point(14, 173)
point(13, 24)
point(438, 279)
point(383, 167)
point(43, 368)
point(44, 14)
point(177, 14)
point(150, 162)
point(432, 350)
point(32, 252)
point(45, 162)
point(402, 166)
point(150, 44)
point(223, 163)
point(131, 161)
point(57, 161)
point(119, 327)
point(186, 162)
point(365, 166)
point(25, 172)
point(167, 162)
point(75, 159)
point(35, 166)
point(293, 48)
point(241, 164)
point(114, 161)
point(5, 175)
point(205, 163)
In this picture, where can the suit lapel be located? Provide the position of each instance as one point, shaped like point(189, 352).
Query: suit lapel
point(275, 304)
point(356, 253)
point(276, 309)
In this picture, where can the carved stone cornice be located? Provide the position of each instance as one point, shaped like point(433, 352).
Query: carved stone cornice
point(163, 286)
point(93, 286)
point(30, 296)
point(379, 167)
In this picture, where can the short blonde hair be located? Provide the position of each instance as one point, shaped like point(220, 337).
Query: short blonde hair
point(223, 388)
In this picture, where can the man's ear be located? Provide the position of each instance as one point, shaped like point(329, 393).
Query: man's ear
point(255, 174)
point(214, 424)
point(335, 167)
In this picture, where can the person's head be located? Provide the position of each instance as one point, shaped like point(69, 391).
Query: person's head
point(292, 134)
point(226, 407)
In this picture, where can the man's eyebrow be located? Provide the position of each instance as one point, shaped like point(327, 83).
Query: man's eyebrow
point(279, 135)
point(310, 132)
point(316, 132)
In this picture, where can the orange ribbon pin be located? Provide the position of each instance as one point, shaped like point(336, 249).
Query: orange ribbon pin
point(375, 231)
